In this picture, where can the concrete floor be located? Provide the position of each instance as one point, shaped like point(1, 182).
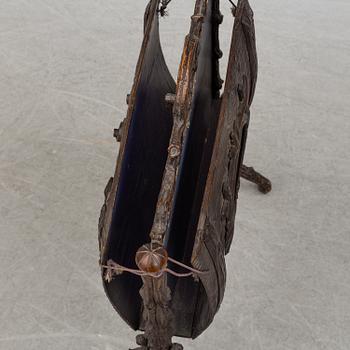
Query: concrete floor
point(65, 68)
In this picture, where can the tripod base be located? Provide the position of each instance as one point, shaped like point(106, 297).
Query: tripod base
point(251, 175)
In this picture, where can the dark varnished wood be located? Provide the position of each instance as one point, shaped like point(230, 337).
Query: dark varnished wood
point(216, 221)
point(178, 174)
point(131, 197)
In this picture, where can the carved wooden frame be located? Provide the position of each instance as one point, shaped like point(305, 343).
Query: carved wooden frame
point(216, 214)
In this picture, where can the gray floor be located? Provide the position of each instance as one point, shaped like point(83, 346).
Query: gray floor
point(65, 68)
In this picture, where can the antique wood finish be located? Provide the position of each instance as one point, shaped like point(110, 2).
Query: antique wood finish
point(131, 197)
point(250, 174)
point(177, 177)
point(185, 183)
point(157, 316)
point(216, 221)
point(200, 115)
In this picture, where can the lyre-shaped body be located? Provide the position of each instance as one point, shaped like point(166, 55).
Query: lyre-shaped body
point(177, 173)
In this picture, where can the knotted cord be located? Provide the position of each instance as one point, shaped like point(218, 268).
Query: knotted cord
point(114, 268)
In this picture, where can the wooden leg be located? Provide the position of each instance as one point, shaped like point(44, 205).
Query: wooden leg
point(251, 175)
point(157, 316)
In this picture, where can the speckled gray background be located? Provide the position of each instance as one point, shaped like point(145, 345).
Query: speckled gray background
point(65, 68)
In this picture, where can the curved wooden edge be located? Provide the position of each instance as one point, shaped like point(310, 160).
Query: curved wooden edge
point(145, 74)
point(216, 220)
point(150, 17)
